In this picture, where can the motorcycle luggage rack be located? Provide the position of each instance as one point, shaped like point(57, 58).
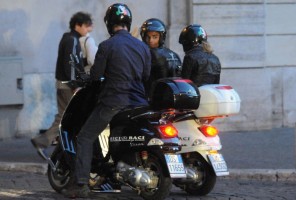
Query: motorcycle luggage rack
point(183, 117)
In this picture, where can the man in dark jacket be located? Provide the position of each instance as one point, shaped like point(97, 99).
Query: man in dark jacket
point(125, 63)
point(200, 64)
point(80, 24)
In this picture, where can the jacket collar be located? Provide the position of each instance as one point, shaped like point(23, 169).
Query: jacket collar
point(121, 31)
point(196, 48)
point(75, 33)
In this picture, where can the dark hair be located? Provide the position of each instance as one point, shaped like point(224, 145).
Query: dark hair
point(80, 18)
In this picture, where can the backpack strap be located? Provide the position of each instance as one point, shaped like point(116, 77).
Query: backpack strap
point(75, 42)
point(85, 45)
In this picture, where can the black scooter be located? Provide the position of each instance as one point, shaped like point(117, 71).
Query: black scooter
point(140, 149)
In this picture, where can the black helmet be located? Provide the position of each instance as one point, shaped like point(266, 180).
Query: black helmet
point(118, 14)
point(192, 35)
point(156, 25)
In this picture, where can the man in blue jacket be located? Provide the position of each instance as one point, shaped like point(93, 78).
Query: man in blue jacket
point(125, 63)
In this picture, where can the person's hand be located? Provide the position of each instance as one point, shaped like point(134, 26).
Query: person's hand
point(84, 77)
point(135, 32)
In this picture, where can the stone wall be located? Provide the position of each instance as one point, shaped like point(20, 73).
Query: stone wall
point(32, 30)
point(254, 39)
point(280, 36)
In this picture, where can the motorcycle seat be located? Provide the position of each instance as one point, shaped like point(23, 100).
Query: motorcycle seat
point(130, 112)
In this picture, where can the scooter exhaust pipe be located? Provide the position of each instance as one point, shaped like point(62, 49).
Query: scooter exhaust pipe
point(136, 177)
point(192, 176)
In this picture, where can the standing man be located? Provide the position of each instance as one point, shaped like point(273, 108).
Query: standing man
point(80, 24)
point(124, 62)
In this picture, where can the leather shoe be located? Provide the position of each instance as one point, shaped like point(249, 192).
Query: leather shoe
point(76, 191)
point(41, 151)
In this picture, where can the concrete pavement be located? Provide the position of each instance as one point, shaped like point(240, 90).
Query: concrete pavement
point(29, 186)
point(258, 155)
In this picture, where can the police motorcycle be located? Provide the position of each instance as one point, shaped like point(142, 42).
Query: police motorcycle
point(140, 151)
point(200, 139)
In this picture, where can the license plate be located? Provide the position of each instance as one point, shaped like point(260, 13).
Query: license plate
point(175, 165)
point(218, 164)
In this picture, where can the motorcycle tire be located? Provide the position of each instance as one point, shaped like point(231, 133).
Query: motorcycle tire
point(61, 177)
point(208, 176)
point(164, 180)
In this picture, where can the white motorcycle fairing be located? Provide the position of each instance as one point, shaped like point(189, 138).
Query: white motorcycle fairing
point(193, 140)
point(216, 101)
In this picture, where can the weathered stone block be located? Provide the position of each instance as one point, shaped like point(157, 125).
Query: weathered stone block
point(280, 1)
point(276, 74)
point(239, 52)
point(39, 103)
point(227, 1)
point(230, 19)
point(253, 87)
point(279, 19)
point(289, 96)
point(279, 50)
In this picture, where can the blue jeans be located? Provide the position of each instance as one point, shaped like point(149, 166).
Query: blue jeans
point(93, 127)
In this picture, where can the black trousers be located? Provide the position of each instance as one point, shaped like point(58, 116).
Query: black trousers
point(93, 127)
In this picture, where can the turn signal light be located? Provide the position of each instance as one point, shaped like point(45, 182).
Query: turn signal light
point(168, 131)
point(209, 131)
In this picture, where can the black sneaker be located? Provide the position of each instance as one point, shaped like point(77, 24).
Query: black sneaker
point(75, 191)
point(41, 151)
point(107, 186)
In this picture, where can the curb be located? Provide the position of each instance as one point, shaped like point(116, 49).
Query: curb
point(39, 168)
point(262, 174)
point(242, 174)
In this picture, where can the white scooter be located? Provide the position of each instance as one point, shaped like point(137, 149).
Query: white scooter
point(200, 140)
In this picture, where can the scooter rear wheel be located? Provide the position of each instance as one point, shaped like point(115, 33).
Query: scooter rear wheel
point(208, 176)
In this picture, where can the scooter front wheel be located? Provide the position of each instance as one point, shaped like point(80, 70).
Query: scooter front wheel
point(206, 173)
point(59, 178)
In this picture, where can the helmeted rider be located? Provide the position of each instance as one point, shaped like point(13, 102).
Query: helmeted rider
point(124, 62)
point(165, 62)
point(200, 64)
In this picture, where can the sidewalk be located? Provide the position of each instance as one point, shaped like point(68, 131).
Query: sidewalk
point(268, 154)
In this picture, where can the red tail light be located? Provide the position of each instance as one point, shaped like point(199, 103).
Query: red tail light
point(224, 87)
point(209, 131)
point(168, 131)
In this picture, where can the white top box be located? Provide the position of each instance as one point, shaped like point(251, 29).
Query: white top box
point(218, 100)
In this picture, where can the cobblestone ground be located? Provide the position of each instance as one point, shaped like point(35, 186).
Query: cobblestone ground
point(23, 185)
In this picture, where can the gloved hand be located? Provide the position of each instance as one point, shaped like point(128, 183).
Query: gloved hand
point(84, 77)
